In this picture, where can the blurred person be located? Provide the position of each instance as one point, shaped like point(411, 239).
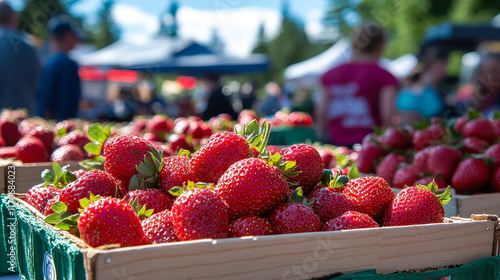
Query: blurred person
point(420, 98)
point(121, 106)
point(148, 103)
point(213, 101)
point(59, 91)
point(486, 82)
point(271, 103)
point(19, 64)
point(359, 94)
point(248, 95)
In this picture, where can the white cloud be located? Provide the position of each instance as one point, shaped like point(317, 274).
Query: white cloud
point(136, 25)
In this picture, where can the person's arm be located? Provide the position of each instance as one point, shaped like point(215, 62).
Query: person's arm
point(387, 105)
point(321, 114)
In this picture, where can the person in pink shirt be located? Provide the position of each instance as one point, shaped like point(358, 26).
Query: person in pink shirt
point(358, 95)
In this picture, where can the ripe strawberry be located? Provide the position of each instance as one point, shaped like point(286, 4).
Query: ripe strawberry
point(196, 130)
point(67, 153)
point(471, 174)
point(405, 176)
point(328, 203)
point(368, 156)
point(79, 173)
point(2, 142)
point(200, 213)
point(9, 131)
point(176, 172)
point(326, 157)
point(38, 196)
point(396, 139)
point(387, 168)
point(44, 134)
point(293, 217)
point(122, 154)
point(178, 141)
point(428, 136)
point(68, 125)
point(473, 145)
point(480, 128)
point(214, 158)
point(442, 160)
point(416, 205)
point(420, 160)
point(111, 221)
point(271, 149)
point(159, 125)
point(496, 125)
point(460, 123)
point(31, 149)
point(77, 138)
point(151, 198)
point(26, 125)
point(495, 180)
point(308, 162)
point(8, 152)
point(493, 152)
point(159, 228)
point(250, 226)
point(349, 220)
point(371, 194)
point(95, 181)
point(427, 180)
point(47, 210)
point(251, 186)
point(151, 137)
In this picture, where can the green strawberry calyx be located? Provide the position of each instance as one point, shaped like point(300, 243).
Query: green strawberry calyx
point(59, 177)
point(98, 135)
point(148, 171)
point(286, 168)
point(256, 136)
point(298, 197)
point(443, 198)
point(190, 185)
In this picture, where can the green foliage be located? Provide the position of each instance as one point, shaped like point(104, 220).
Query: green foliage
point(35, 14)
point(106, 31)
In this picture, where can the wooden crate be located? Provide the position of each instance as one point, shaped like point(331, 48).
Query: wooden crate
point(296, 256)
point(465, 205)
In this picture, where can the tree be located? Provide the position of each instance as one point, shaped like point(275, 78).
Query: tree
point(216, 42)
point(107, 31)
point(262, 44)
point(35, 14)
point(168, 21)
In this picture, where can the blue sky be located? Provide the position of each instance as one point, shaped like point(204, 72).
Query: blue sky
point(236, 21)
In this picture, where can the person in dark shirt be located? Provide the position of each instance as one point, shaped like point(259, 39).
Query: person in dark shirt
point(216, 102)
point(59, 89)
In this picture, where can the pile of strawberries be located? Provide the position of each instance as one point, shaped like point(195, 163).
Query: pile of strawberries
point(231, 186)
point(280, 119)
point(463, 153)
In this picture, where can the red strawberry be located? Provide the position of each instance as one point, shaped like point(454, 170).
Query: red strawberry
point(44, 134)
point(2, 142)
point(176, 172)
point(427, 180)
point(294, 217)
point(8, 152)
point(471, 174)
point(196, 130)
point(79, 173)
point(495, 180)
point(420, 160)
point(349, 220)
point(122, 154)
point(273, 149)
point(159, 125)
point(442, 160)
point(200, 213)
point(151, 137)
point(396, 139)
point(68, 125)
point(460, 123)
point(47, 210)
point(26, 125)
point(405, 176)
point(67, 153)
point(111, 221)
point(414, 206)
point(77, 138)
point(251, 186)
point(326, 157)
point(473, 145)
point(480, 128)
point(427, 137)
point(95, 181)
point(368, 156)
point(387, 168)
point(494, 153)
point(328, 204)
point(181, 126)
point(9, 132)
point(151, 198)
point(250, 226)
point(178, 141)
point(38, 196)
point(159, 228)
point(371, 194)
point(222, 149)
point(31, 149)
point(496, 125)
point(308, 162)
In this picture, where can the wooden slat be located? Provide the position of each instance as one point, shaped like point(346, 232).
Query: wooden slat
point(478, 204)
point(28, 175)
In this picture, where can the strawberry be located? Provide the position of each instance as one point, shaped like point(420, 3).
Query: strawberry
point(428, 136)
point(67, 153)
point(328, 203)
point(47, 210)
point(26, 125)
point(420, 160)
point(251, 186)
point(349, 220)
point(122, 154)
point(77, 138)
point(427, 180)
point(496, 125)
point(416, 205)
point(44, 134)
point(200, 213)
point(9, 131)
point(308, 162)
point(405, 176)
point(176, 172)
point(493, 152)
point(31, 149)
point(79, 173)
point(442, 160)
point(151, 137)
point(222, 149)
point(480, 128)
point(396, 139)
point(67, 125)
point(159, 228)
point(473, 145)
point(293, 217)
point(471, 174)
point(95, 181)
point(2, 142)
point(8, 152)
point(271, 149)
point(178, 141)
point(111, 221)
point(38, 196)
point(460, 123)
point(326, 157)
point(368, 156)
point(250, 226)
point(151, 198)
point(371, 195)
point(495, 180)
point(159, 125)
point(196, 130)
point(388, 166)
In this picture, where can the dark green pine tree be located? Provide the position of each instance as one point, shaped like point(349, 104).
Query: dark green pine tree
point(106, 30)
point(216, 42)
point(262, 44)
point(35, 14)
point(168, 21)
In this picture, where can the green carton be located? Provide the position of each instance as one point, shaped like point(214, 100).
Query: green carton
point(288, 136)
